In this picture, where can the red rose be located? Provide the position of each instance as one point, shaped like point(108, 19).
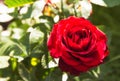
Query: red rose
point(78, 44)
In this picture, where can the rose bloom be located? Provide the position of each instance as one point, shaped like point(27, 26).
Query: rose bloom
point(78, 44)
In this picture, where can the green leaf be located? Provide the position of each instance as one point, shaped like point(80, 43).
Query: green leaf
point(56, 75)
point(114, 59)
point(112, 3)
point(72, 1)
point(9, 46)
point(28, 14)
point(13, 63)
point(49, 21)
point(17, 3)
point(22, 47)
point(99, 2)
point(106, 3)
point(25, 41)
point(25, 74)
point(36, 35)
point(4, 47)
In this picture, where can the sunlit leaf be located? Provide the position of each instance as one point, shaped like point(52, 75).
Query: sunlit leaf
point(10, 44)
point(95, 73)
point(16, 3)
point(21, 47)
point(5, 46)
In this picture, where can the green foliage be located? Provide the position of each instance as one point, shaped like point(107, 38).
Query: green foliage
point(25, 74)
point(16, 3)
point(106, 3)
point(23, 49)
point(112, 3)
point(55, 75)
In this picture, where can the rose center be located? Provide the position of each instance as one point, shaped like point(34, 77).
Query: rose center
point(78, 40)
point(79, 36)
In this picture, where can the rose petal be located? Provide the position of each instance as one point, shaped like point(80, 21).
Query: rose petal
point(74, 62)
point(53, 44)
point(70, 60)
point(67, 68)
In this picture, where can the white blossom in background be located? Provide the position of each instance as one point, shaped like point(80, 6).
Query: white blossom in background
point(5, 17)
point(56, 18)
point(38, 7)
point(64, 77)
point(55, 1)
point(24, 9)
point(86, 8)
point(19, 58)
point(5, 33)
point(35, 35)
point(53, 63)
point(4, 10)
point(4, 79)
point(4, 61)
point(99, 2)
point(17, 33)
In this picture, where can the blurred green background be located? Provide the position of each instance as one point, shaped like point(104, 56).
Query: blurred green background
point(109, 18)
